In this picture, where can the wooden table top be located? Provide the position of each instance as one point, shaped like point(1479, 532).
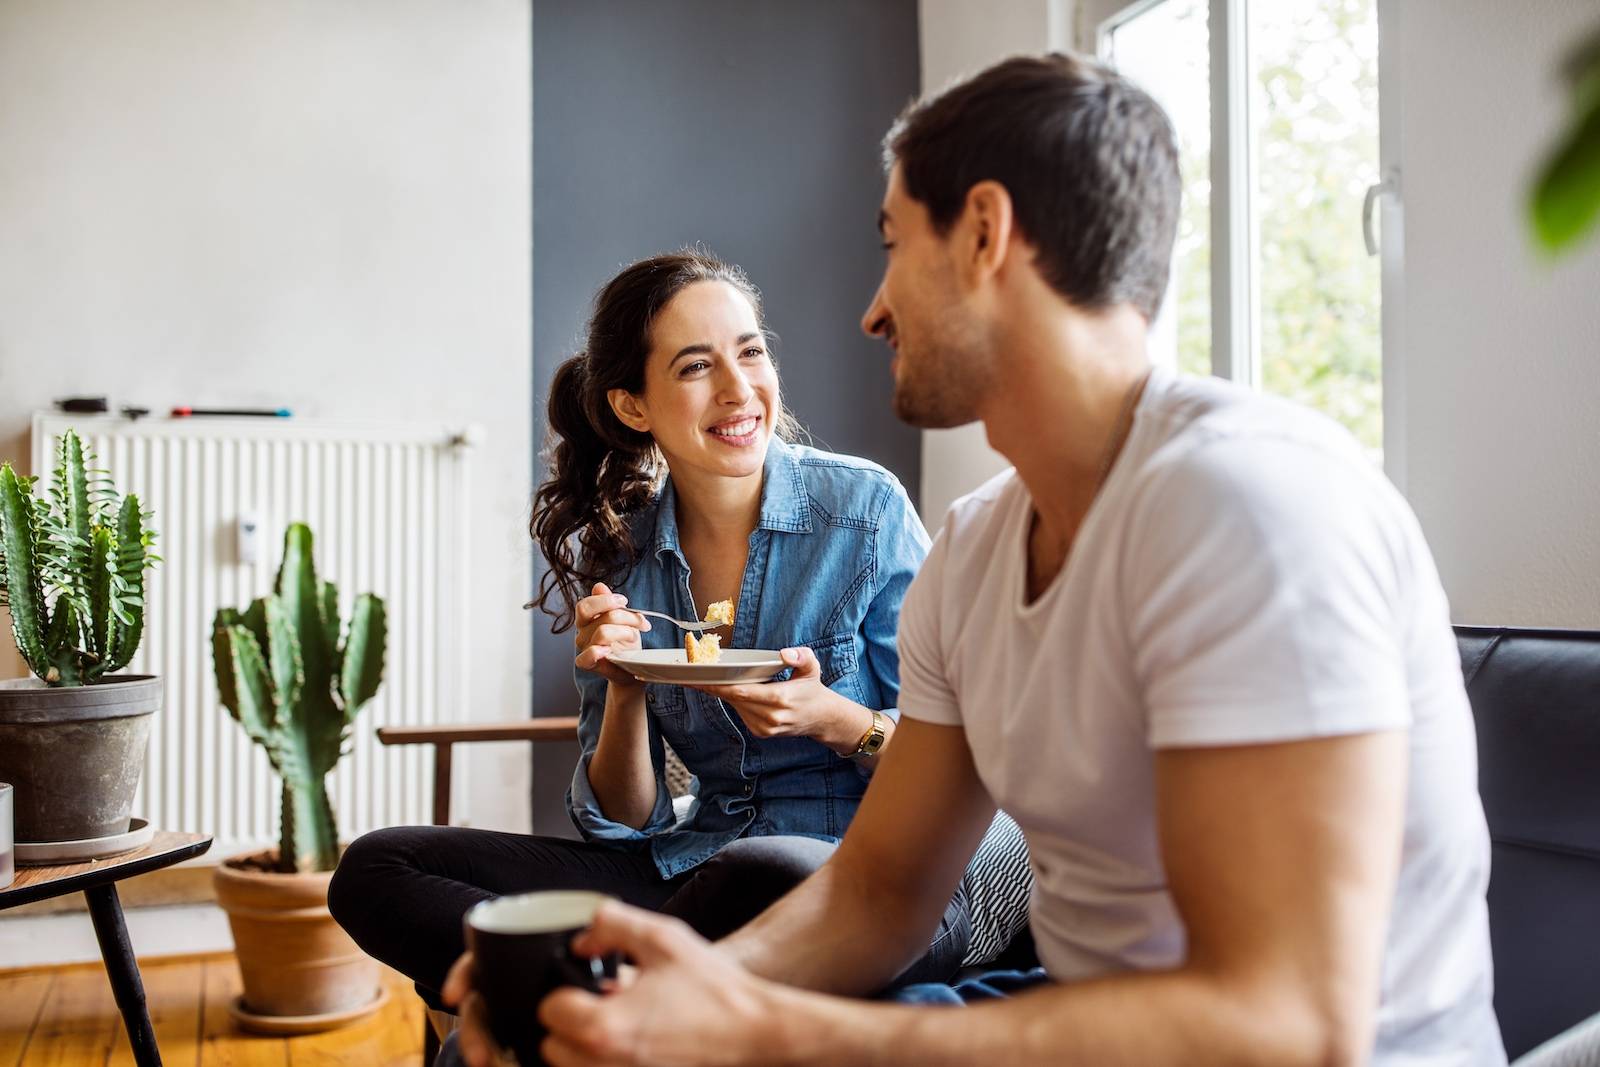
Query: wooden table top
point(38, 883)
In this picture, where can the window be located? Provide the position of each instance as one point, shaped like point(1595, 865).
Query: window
point(1275, 105)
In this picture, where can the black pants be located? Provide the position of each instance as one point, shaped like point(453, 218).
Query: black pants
point(401, 893)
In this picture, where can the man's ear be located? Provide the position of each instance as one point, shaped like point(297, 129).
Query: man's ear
point(628, 410)
point(987, 219)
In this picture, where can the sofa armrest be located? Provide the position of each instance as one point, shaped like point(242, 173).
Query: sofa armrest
point(444, 737)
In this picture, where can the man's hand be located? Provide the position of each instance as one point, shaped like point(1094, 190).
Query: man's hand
point(473, 1040)
point(799, 707)
point(687, 1003)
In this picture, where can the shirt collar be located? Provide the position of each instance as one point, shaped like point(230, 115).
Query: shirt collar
point(785, 504)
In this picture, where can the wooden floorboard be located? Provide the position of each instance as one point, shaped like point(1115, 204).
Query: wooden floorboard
point(172, 993)
point(77, 1024)
point(66, 1017)
point(21, 999)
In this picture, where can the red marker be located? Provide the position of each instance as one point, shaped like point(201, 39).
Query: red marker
point(271, 413)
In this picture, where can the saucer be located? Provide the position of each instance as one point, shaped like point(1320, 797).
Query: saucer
point(38, 853)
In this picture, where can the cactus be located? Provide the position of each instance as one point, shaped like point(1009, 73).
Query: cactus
point(72, 569)
point(284, 675)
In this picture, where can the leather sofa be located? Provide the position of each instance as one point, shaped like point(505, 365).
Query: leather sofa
point(1536, 700)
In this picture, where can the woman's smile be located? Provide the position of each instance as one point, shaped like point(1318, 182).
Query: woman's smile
point(738, 431)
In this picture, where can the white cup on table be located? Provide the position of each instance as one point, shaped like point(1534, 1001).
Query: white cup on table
point(8, 848)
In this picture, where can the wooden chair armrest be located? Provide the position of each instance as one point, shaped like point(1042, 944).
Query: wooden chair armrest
point(444, 738)
point(555, 728)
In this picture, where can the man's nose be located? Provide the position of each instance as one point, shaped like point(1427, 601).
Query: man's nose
point(876, 320)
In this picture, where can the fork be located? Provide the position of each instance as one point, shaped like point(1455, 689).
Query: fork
point(679, 623)
point(697, 627)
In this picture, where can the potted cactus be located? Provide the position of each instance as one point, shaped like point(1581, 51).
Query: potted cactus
point(73, 735)
point(285, 674)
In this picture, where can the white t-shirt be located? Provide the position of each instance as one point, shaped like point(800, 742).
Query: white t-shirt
point(1245, 575)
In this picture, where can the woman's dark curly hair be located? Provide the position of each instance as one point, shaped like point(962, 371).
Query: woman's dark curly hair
point(600, 470)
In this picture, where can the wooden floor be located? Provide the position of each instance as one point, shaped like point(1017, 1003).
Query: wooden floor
point(66, 1017)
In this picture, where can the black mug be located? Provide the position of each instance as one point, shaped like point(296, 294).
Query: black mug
point(521, 951)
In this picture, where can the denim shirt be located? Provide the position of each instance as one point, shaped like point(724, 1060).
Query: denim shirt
point(830, 559)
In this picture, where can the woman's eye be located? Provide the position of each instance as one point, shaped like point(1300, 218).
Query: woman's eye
point(696, 366)
point(754, 352)
point(887, 245)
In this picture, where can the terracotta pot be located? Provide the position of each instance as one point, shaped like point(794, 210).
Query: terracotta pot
point(301, 971)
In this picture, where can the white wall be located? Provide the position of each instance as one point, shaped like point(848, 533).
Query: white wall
point(960, 38)
point(297, 202)
point(1501, 349)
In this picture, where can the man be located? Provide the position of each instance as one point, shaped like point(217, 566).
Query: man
point(1193, 643)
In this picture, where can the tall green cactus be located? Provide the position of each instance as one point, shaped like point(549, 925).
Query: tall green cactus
point(72, 569)
point(284, 675)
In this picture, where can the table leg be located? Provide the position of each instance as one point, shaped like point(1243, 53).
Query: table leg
point(123, 970)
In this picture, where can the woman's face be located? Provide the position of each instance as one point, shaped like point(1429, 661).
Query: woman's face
point(710, 395)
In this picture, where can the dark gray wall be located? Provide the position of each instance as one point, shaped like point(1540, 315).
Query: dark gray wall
point(751, 126)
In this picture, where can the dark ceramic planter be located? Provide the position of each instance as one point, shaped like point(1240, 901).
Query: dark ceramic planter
point(75, 754)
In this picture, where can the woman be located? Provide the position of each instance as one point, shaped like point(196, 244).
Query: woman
point(674, 485)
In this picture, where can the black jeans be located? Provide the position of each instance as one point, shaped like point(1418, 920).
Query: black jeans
point(401, 893)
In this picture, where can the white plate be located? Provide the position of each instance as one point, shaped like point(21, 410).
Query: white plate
point(36, 853)
point(672, 665)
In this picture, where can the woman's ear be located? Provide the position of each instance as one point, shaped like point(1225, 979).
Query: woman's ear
point(628, 410)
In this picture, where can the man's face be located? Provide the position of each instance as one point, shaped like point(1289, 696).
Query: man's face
point(941, 365)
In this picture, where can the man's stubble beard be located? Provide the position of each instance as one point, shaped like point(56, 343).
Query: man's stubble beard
point(940, 387)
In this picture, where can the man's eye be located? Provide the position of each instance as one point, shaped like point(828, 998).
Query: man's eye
point(887, 245)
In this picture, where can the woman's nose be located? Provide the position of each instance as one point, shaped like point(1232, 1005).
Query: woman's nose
point(735, 386)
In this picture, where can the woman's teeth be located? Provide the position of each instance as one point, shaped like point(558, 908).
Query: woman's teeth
point(742, 428)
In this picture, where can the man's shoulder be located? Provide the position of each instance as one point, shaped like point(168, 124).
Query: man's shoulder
point(970, 523)
point(1237, 443)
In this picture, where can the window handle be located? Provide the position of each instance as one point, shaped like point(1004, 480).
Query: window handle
point(1390, 184)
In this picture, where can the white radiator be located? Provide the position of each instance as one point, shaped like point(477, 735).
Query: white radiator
point(388, 506)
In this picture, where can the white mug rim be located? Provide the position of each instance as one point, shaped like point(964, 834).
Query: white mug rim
point(544, 911)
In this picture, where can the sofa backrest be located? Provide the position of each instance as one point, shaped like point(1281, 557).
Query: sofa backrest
point(1536, 701)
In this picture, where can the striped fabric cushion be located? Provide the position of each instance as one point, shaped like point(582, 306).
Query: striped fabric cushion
point(998, 882)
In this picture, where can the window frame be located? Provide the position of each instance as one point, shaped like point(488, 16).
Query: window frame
point(1235, 243)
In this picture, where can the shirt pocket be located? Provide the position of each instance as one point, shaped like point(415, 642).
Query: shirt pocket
point(667, 704)
point(836, 655)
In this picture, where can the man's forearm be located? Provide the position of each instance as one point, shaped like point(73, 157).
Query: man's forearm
point(1153, 1018)
point(832, 933)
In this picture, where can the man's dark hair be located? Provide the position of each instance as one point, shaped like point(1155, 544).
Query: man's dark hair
point(1088, 158)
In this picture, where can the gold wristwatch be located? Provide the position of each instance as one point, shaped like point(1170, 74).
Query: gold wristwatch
point(873, 739)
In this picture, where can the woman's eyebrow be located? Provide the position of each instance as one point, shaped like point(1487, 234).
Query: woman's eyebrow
point(705, 348)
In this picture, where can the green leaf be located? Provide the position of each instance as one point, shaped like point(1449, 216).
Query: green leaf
point(297, 586)
point(328, 604)
point(284, 657)
point(245, 687)
point(363, 654)
point(102, 552)
point(73, 480)
point(1566, 196)
point(24, 591)
point(133, 542)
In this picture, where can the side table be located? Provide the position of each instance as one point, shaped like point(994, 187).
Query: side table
point(97, 880)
